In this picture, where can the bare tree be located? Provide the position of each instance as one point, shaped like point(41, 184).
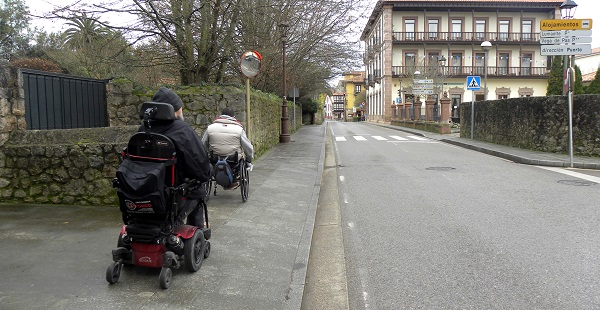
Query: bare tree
point(204, 39)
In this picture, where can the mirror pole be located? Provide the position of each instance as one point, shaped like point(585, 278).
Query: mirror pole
point(248, 123)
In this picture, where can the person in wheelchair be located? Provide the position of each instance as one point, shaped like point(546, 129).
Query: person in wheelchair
point(226, 137)
point(192, 158)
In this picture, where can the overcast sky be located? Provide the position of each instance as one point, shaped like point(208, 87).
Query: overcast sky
point(585, 9)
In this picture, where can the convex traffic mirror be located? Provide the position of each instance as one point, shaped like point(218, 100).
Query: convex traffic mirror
point(250, 63)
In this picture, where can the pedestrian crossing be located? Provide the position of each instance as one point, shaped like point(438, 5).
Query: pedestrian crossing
point(410, 138)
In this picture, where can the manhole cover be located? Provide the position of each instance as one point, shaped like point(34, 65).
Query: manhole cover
point(577, 182)
point(440, 168)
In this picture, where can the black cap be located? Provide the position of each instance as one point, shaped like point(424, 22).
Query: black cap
point(228, 111)
point(166, 95)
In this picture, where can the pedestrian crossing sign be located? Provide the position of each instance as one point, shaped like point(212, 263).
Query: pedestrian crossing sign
point(473, 82)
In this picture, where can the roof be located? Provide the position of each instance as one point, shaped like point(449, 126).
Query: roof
point(588, 77)
point(459, 4)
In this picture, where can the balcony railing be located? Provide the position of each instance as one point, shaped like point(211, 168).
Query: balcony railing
point(531, 72)
point(466, 37)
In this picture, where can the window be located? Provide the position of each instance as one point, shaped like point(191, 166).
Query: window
point(480, 63)
point(503, 63)
point(433, 27)
point(480, 30)
point(526, 64)
point(504, 29)
point(456, 63)
point(456, 29)
point(502, 96)
point(409, 61)
point(409, 29)
point(357, 88)
point(527, 30)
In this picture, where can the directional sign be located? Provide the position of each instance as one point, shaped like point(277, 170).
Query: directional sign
point(428, 81)
point(565, 40)
point(423, 92)
point(565, 24)
point(575, 49)
point(423, 86)
point(565, 33)
point(473, 82)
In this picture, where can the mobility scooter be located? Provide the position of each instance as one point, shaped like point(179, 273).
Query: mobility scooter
point(150, 193)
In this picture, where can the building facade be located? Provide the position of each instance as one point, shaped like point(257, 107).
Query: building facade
point(354, 88)
point(440, 43)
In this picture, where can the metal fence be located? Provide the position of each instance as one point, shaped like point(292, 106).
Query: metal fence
point(58, 101)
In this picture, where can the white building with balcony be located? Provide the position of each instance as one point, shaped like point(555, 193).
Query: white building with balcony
point(441, 42)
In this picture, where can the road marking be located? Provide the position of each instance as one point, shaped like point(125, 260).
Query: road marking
point(418, 138)
point(573, 174)
point(360, 138)
point(380, 138)
point(398, 138)
point(340, 138)
point(341, 178)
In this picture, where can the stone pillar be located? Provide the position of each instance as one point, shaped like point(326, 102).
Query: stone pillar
point(446, 109)
point(417, 109)
point(429, 103)
point(407, 110)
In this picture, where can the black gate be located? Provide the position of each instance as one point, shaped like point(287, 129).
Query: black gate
point(59, 101)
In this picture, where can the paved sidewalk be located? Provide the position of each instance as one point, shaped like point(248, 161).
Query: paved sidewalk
point(517, 155)
point(55, 257)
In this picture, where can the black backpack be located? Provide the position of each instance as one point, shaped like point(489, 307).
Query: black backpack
point(141, 187)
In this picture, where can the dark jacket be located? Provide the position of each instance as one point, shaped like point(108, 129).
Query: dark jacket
point(192, 157)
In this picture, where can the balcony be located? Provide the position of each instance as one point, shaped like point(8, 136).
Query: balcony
point(466, 37)
point(459, 71)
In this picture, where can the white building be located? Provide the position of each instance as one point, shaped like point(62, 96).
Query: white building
point(441, 42)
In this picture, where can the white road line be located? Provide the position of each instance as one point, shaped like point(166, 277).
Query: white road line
point(573, 174)
point(398, 138)
point(360, 138)
point(418, 138)
point(380, 138)
point(340, 138)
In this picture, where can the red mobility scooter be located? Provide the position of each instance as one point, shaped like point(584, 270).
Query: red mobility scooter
point(149, 191)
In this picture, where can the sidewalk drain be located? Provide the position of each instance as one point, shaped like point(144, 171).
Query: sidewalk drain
point(440, 168)
point(577, 182)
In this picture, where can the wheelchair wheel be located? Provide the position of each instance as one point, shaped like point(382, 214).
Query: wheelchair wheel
point(165, 277)
point(113, 272)
point(193, 251)
point(207, 188)
point(244, 181)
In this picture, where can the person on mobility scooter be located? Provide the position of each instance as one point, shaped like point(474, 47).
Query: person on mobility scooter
point(161, 186)
point(231, 152)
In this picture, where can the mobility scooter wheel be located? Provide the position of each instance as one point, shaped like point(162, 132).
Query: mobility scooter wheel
point(165, 277)
point(207, 249)
point(113, 272)
point(193, 251)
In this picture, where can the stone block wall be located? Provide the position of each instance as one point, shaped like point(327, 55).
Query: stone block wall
point(76, 166)
point(536, 123)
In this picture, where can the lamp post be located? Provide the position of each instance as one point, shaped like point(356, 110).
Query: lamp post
point(284, 137)
point(485, 45)
point(442, 61)
point(567, 11)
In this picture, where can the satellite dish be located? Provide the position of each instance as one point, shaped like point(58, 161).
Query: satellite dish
point(250, 63)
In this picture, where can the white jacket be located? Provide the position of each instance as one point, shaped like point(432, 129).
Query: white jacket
point(225, 136)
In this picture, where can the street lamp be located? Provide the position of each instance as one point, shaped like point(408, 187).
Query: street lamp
point(567, 9)
point(442, 61)
point(485, 45)
point(284, 137)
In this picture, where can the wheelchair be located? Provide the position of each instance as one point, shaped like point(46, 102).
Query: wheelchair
point(227, 170)
point(150, 194)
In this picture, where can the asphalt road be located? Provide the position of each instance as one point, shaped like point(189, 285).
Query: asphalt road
point(428, 225)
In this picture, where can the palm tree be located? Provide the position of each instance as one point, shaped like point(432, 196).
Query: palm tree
point(83, 31)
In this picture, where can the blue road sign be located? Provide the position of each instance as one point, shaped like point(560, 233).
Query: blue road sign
point(473, 82)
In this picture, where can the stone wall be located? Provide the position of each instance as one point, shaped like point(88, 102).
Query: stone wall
point(76, 166)
point(536, 123)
